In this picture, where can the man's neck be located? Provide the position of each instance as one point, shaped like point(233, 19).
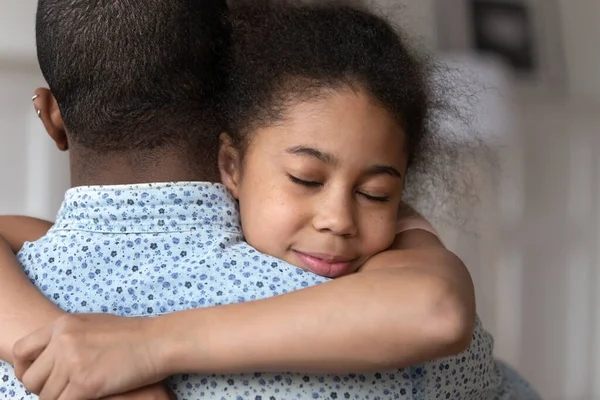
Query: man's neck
point(89, 168)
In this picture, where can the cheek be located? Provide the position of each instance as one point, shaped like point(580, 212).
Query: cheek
point(270, 219)
point(378, 232)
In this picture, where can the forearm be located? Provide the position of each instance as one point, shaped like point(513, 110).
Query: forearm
point(387, 318)
point(23, 309)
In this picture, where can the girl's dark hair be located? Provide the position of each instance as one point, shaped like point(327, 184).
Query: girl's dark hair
point(286, 52)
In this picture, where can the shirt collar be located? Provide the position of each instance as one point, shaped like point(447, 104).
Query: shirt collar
point(148, 208)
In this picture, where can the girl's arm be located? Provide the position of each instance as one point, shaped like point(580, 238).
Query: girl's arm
point(17, 230)
point(375, 320)
point(416, 233)
point(403, 308)
point(23, 309)
point(407, 305)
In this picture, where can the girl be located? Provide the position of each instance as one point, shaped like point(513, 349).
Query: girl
point(325, 119)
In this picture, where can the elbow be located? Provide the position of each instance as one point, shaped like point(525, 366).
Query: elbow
point(450, 319)
point(444, 326)
point(444, 322)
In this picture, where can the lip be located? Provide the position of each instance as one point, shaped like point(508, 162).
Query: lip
point(325, 264)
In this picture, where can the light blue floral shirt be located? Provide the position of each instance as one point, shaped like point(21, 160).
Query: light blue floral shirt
point(151, 249)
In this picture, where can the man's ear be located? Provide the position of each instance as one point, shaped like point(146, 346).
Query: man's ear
point(230, 164)
point(48, 111)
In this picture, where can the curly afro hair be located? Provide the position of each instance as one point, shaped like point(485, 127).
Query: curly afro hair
point(287, 52)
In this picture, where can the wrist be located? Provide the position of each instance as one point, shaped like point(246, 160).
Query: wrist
point(176, 344)
point(212, 340)
point(161, 344)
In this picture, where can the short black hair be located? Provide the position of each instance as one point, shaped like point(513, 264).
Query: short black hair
point(285, 52)
point(135, 74)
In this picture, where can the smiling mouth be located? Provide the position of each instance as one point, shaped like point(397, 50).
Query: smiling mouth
point(325, 265)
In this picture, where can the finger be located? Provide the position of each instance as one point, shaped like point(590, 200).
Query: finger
point(31, 346)
point(21, 367)
point(70, 393)
point(55, 385)
point(75, 392)
point(35, 377)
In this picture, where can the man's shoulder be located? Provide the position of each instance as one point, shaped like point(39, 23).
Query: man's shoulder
point(221, 256)
point(204, 245)
point(90, 242)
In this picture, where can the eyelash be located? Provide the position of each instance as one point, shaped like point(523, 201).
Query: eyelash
point(309, 184)
point(375, 198)
point(302, 182)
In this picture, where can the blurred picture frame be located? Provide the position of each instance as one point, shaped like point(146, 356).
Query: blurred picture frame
point(506, 30)
point(534, 53)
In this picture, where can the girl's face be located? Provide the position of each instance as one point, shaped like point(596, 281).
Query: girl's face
point(321, 189)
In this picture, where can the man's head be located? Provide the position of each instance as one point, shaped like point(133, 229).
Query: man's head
point(131, 75)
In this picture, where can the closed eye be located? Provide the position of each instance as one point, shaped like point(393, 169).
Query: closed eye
point(302, 182)
point(312, 184)
point(379, 199)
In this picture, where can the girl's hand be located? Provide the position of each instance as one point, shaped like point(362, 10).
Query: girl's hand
point(89, 356)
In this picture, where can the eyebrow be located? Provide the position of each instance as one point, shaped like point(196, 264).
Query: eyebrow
point(330, 159)
point(327, 158)
point(384, 169)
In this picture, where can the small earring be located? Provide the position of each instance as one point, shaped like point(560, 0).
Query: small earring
point(38, 112)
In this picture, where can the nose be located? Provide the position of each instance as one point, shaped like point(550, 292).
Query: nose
point(335, 213)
